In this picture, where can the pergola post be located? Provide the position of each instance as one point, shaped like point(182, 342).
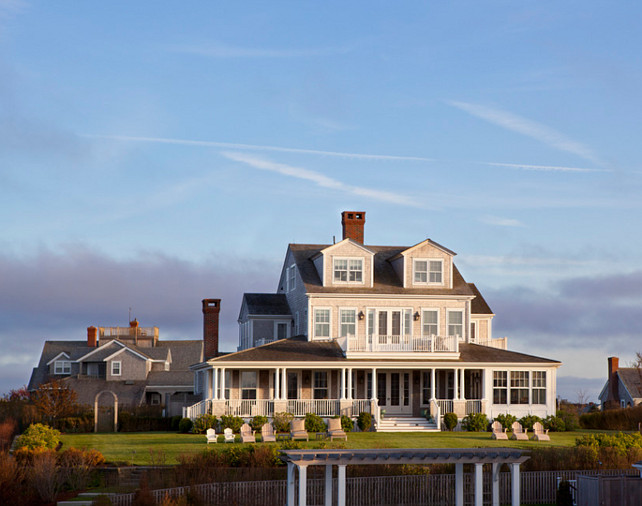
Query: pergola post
point(495, 481)
point(328, 485)
point(303, 482)
point(479, 484)
point(290, 496)
point(514, 478)
point(341, 486)
point(459, 484)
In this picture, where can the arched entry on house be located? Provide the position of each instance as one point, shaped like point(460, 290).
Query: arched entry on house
point(108, 415)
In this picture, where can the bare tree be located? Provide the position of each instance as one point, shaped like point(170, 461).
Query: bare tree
point(55, 400)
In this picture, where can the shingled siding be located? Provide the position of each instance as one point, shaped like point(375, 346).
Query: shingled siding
point(428, 251)
point(297, 299)
point(132, 367)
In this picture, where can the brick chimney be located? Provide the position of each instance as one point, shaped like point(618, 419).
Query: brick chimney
point(92, 337)
point(614, 391)
point(353, 223)
point(211, 310)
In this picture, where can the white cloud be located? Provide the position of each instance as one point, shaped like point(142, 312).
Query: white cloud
point(529, 128)
point(321, 179)
point(546, 168)
point(501, 222)
point(214, 144)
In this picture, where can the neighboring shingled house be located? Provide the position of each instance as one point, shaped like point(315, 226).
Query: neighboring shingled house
point(131, 362)
point(623, 386)
point(384, 329)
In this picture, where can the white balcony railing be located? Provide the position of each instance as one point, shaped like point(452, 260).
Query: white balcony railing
point(445, 405)
point(474, 406)
point(392, 344)
point(500, 343)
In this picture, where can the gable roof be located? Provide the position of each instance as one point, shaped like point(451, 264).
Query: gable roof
point(347, 240)
point(386, 280)
point(631, 378)
point(268, 304)
point(479, 304)
point(426, 241)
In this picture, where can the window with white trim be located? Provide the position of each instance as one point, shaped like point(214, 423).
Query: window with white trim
point(500, 387)
point(115, 368)
point(291, 278)
point(62, 367)
point(347, 322)
point(538, 392)
point(281, 330)
point(320, 385)
point(519, 387)
point(348, 270)
point(456, 323)
point(322, 323)
point(248, 384)
point(430, 322)
point(427, 271)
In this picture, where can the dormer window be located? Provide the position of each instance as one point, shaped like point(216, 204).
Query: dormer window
point(348, 270)
point(62, 367)
point(428, 271)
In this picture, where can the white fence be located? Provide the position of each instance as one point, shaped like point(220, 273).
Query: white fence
point(392, 344)
point(474, 406)
point(438, 489)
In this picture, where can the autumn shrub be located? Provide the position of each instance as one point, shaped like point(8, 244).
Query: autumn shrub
point(257, 422)
point(46, 477)
point(364, 421)
point(507, 420)
point(12, 480)
point(281, 421)
point(314, 423)
point(231, 422)
point(204, 422)
point(527, 421)
point(8, 429)
point(38, 435)
point(76, 466)
point(475, 422)
point(450, 421)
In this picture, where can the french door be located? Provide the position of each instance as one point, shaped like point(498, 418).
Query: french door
point(393, 392)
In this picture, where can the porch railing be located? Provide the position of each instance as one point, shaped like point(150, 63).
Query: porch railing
point(393, 343)
point(445, 405)
point(198, 409)
point(322, 407)
point(474, 406)
point(500, 343)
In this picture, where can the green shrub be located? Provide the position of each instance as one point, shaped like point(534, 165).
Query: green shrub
point(257, 422)
point(346, 423)
point(528, 421)
point(554, 423)
point(506, 420)
point(281, 421)
point(185, 425)
point(231, 422)
point(571, 420)
point(364, 421)
point(204, 422)
point(475, 422)
point(38, 435)
point(174, 421)
point(450, 421)
point(314, 423)
point(620, 442)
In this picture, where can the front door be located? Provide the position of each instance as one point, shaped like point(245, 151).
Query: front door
point(393, 392)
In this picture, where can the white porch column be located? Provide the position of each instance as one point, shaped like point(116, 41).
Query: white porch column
point(514, 479)
point(215, 384)
point(433, 379)
point(463, 384)
point(222, 396)
point(459, 484)
point(277, 384)
point(342, 383)
point(303, 482)
point(349, 384)
point(284, 383)
point(290, 480)
point(374, 383)
point(210, 381)
point(495, 488)
point(341, 486)
point(328, 485)
point(479, 484)
point(456, 383)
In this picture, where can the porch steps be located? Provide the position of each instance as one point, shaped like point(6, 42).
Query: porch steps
point(405, 424)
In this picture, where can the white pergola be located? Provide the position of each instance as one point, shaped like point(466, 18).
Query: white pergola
point(301, 459)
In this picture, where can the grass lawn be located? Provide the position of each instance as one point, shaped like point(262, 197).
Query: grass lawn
point(144, 448)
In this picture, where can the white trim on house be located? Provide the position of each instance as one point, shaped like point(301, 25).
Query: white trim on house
point(421, 319)
point(356, 321)
point(62, 353)
point(120, 368)
point(127, 348)
point(329, 323)
point(348, 259)
point(100, 348)
point(427, 283)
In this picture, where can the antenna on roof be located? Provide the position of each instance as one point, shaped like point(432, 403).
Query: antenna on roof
point(334, 239)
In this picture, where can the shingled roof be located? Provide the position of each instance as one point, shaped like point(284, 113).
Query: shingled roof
point(479, 304)
point(267, 304)
point(386, 280)
point(631, 377)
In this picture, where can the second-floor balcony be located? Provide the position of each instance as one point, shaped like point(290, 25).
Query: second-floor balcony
point(386, 345)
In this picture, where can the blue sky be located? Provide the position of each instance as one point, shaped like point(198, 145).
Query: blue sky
point(154, 153)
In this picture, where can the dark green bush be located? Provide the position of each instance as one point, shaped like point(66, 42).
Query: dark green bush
point(281, 421)
point(613, 419)
point(76, 424)
point(554, 423)
point(346, 423)
point(231, 422)
point(204, 422)
point(570, 418)
point(564, 494)
point(257, 422)
point(506, 420)
point(174, 421)
point(475, 422)
point(364, 421)
point(142, 421)
point(314, 423)
point(185, 425)
point(450, 421)
point(528, 421)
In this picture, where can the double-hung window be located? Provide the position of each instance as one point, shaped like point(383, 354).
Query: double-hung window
point(456, 323)
point(322, 323)
point(320, 385)
point(347, 322)
point(519, 387)
point(115, 368)
point(291, 278)
point(430, 323)
point(248, 384)
point(426, 271)
point(539, 387)
point(348, 270)
point(500, 387)
point(62, 367)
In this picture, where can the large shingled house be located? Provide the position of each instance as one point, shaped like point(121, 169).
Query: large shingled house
point(393, 330)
